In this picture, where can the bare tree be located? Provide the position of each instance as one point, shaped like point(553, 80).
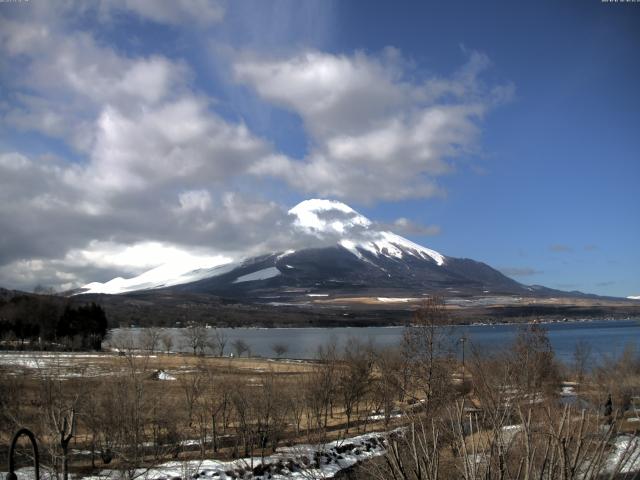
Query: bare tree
point(269, 414)
point(123, 340)
point(534, 362)
point(240, 346)
point(322, 385)
point(65, 426)
point(59, 406)
point(241, 397)
point(389, 366)
point(167, 341)
point(279, 349)
point(427, 348)
point(295, 399)
point(216, 402)
point(581, 359)
point(150, 339)
point(354, 375)
point(195, 337)
point(220, 340)
point(192, 385)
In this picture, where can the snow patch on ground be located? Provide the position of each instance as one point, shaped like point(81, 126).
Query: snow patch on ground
point(57, 364)
point(297, 462)
point(381, 416)
point(394, 300)
point(162, 375)
point(625, 454)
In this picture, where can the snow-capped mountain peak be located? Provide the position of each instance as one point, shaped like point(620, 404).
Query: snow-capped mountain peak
point(319, 216)
point(332, 219)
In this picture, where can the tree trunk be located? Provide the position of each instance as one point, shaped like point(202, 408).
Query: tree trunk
point(214, 434)
point(65, 461)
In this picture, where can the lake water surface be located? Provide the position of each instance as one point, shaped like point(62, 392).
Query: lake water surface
point(606, 338)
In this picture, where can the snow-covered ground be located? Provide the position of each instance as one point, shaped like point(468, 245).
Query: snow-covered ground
point(59, 364)
point(625, 454)
point(298, 462)
point(301, 461)
point(381, 416)
point(162, 375)
point(395, 300)
point(568, 391)
point(314, 461)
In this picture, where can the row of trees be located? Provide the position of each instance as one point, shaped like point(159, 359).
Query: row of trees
point(194, 338)
point(46, 321)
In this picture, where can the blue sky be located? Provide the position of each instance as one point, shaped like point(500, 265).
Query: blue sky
point(131, 132)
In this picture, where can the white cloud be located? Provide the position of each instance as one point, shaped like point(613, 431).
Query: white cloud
point(138, 119)
point(195, 200)
point(137, 258)
point(404, 226)
point(332, 93)
point(61, 81)
point(83, 67)
point(179, 142)
point(376, 134)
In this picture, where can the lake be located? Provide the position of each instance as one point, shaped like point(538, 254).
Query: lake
point(606, 337)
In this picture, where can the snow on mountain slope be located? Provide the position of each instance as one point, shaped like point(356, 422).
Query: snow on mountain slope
point(164, 276)
point(327, 221)
point(329, 218)
point(263, 274)
point(634, 297)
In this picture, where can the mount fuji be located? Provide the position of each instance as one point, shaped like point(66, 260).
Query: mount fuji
point(342, 252)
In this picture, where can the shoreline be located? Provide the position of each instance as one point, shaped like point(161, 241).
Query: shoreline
point(364, 324)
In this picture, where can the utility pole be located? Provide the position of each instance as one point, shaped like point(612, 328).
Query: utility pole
point(463, 340)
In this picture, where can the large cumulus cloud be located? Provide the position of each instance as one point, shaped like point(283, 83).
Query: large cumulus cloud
point(377, 134)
